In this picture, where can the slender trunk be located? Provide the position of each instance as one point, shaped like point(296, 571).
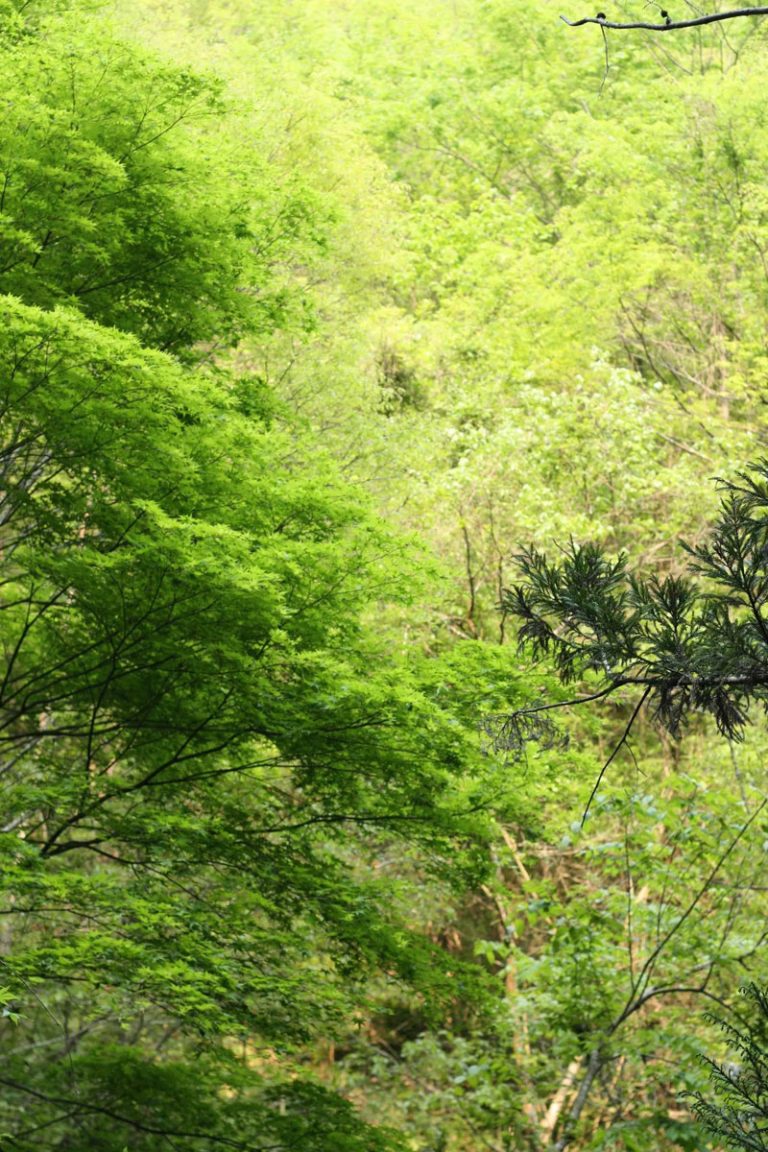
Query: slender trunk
point(594, 1064)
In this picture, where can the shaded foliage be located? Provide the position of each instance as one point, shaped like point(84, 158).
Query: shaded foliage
point(696, 643)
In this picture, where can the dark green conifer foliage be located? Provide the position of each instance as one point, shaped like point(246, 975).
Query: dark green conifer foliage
point(736, 1111)
point(684, 644)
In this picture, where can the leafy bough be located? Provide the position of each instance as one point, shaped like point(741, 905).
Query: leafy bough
point(693, 643)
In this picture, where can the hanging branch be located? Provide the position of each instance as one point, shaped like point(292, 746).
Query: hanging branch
point(669, 25)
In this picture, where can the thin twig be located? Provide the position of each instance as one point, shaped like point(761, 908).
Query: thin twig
point(607, 63)
point(614, 754)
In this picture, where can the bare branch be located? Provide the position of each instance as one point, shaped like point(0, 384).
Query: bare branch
point(614, 754)
point(669, 25)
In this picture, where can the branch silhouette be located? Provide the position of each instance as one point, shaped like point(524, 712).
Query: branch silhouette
point(668, 25)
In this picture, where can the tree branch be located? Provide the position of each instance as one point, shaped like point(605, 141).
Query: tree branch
point(669, 25)
point(153, 1129)
point(614, 754)
point(594, 1063)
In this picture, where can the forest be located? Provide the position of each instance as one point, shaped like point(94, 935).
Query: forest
point(384, 585)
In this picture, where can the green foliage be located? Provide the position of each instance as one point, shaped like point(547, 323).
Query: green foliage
point(735, 1108)
point(249, 728)
point(123, 1099)
point(125, 196)
point(203, 744)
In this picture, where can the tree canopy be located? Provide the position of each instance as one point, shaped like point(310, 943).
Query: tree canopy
point(197, 724)
point(312, 317)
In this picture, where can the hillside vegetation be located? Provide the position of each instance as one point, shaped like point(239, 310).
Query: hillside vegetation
point(315, 316)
